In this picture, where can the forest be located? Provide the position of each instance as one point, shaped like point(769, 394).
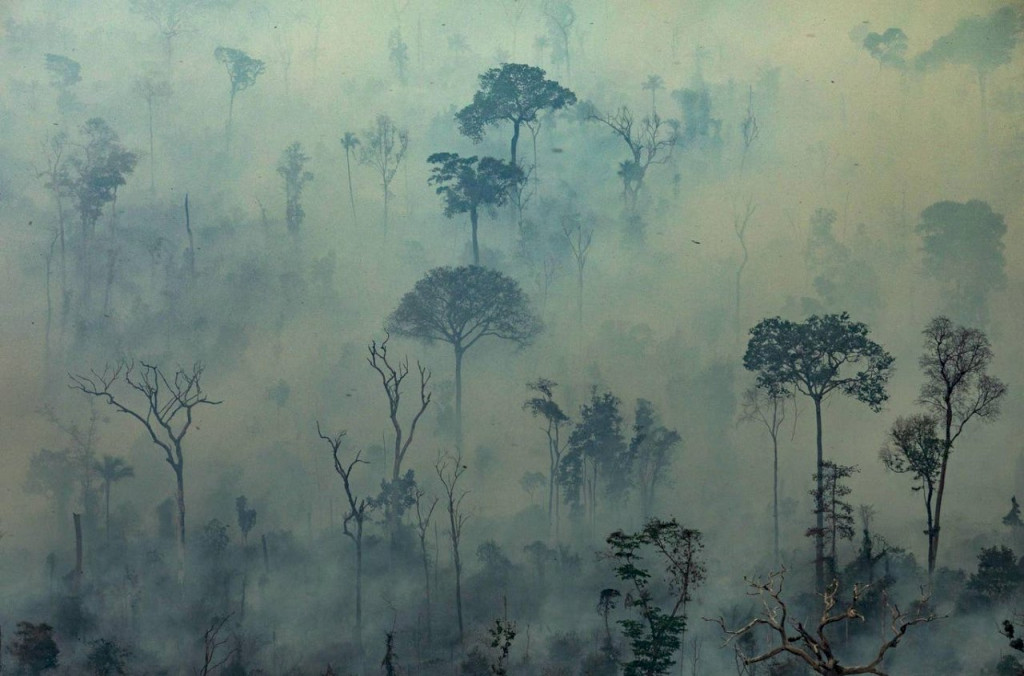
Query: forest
point(511, 338)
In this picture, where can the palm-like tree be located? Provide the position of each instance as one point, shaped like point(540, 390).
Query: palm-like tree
point(653, 84)
point(110, 470)
point(349, 142)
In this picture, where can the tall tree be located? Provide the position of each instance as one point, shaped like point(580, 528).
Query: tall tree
point(242, 73)
point(764, 407)
point(383, 148)
point(957, 389)
point(449, 470)
point(355, 517)
point(349, 142)
point(653, 84)
point(152, 88)
point(292, 168)
point(597, 450)
point(651, 453)
point(111, 470)
point(817, 357)
point(963, 251)
point(560, 17)
point(513, 93)
point(460, 306)
point(423, 516)
point(913, 447)
point(545, 407)
point(467, 184)
point(392, 376)
point(163, 404)
point(170, 17)
point(579, 238)
point(64, 74)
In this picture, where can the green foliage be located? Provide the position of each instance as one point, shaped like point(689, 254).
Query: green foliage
point(999, 575)
point(242, 68)
point(100, 168)
point(888, 48)
point(467, 183)
point(34, 648)
point(656, 634)
point(981, 42)
point(837, 513)
point(815, 357)
point(596, 448)
point(502, 634)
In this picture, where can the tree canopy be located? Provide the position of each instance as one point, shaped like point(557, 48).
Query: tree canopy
point(513, 93)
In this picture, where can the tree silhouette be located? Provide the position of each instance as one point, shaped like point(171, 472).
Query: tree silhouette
point(460, 306)
point(817, 357)
point(383, 148)
point(545, 407)
point(111, 470)
point(763, 407)
point(956, 390)
point(291, 168)
point(652, 84)
point(242, 73)
point(466, 184)
point(513, 93)
point(349, 142)
point(152, 88)
point(887, 48)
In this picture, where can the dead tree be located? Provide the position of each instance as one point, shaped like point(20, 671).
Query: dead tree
point(810, 644)
point(763, 407)
point(164, 407)
point(356, 514)
point(579, 239)
point(449, 470)
point(423, 514)
point(212, 643)
point(391, 377)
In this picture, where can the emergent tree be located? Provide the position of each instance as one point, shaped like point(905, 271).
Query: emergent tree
point(460, 306)
point(545, 406)
point(817, 357)
point(242, 72)
point(292, 169)
point(383, 148)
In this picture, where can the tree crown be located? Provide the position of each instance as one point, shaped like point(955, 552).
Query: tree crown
point(515, 93)
point(467, 183)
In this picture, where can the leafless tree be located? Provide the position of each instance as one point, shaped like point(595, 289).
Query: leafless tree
point(810, 644)
point(383, 148)
point(766, 408)
point(957, 389)
point(423, 514)
point(355, 517)
point(449, 470)
point(391, 377)
point(579, 239)
point(212, 643)
point(163, 404)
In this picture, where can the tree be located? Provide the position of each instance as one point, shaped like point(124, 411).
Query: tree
point(560, 18)
point(596, 450)
point(963, 251)
point(653, 83)
point(739, 226)
point(657, 634)
point(460, 306)
point(831, 507)
point(170, 17)
point(383, 149)
point(34, 648)
point(64, 74)
point(349, 143)
point(392, 376)
point(111, 470)
point(983, 43)
point(1000, 575)
point(579, 239)
point(761, 406)
point(956, 390)
point(423, 515)
point(398, 53)
point(466, 184)
point(53, 474)
point(242, 73)
point(356, 514)
point(817, 357)
point(107, 658)
point(913, 447)
point(164, 405)
point(449, 470)
point(246, 517)
point(650, 141)
point(650, 451)
point(292, 169)
point(810, 645)
point(152, 88)
point(513, 93)
point(545, 407)
point(887, 48)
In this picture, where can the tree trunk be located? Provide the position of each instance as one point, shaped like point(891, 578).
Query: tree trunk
point(106, 497)
point(775, 494)
point(474, 218)
point(458, 398)
point(933, 535)
point(426, 585)
point(359, 588)
point(819, 538)
point(152, 179)
point(515, 140)
point(180, 477)
point(458, 591)
point(351, 194)
point(76, 583)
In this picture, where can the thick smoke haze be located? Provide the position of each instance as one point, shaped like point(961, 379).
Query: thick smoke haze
point(803, 155)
